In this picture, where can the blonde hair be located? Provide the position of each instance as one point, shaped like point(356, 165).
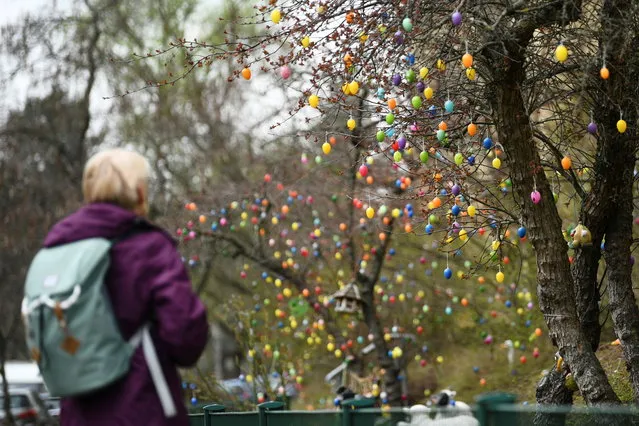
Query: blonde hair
point(115, 176)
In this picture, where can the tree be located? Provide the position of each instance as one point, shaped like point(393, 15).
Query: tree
point(526, 107)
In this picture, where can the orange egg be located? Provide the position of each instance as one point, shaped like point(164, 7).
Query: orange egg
point(202, 218)
point(392, 103)
point(604, 73)
point(442, 126)
point(408, 228)
point(408, 181)
point(566, 163)
point(481, 280)
point(472, 129)
point(538, 332)
point(467, 60)
point(332, 140)
point(369, 180)
point(246, 73)
point(382, 236)
point(386, 220)
point(285, 209)
point(342, 227)
point(438, 177)
point(437, 202)
point(350, 17)
point(507, 233)
point(464, 302)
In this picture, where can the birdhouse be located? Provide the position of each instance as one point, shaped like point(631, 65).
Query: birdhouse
point(348, 299)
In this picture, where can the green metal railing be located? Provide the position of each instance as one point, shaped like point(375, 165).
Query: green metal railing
point(494, 409)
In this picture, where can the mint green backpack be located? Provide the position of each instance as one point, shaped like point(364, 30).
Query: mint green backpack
point(71, 330)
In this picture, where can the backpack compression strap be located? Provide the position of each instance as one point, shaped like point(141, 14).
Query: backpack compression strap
point(143, 337)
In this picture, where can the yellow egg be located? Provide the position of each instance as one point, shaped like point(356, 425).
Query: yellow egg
point(561, 53)
point(353, 87)
point(276, 15)
point(306, 41)
point(338, 353)
point(396, 213)
point(402, 297)
point(287, 292)
point(274, 221)
point(471, 73)
point(441, 65)
point(326, 148)
point(370, 212)
point(423, 72)
point(317, 233)
point(400, 279)
point(622, 126)
point(330, 347)
point(428, 92)
point(496, 163)
point(499, 276)
point(440, 359)
point(249, 378)
point(463, 235)
point(351, 124)
point(472, 210)
point(338, 256)
point(313, 101)
point(278, 282)
point(495, 245)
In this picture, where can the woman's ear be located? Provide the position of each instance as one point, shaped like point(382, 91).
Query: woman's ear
point(142, 207)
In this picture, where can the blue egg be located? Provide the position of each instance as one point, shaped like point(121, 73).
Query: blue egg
point(443, 192)
point(390, 132)
point(508, 303)
point(192, 386)
point(214, 226)
point(360, 339)
point(476, 369)
point(336, 401)
point(521, 232)
point(390, 354)
point(338, 244)
point(257, 308)
point(398, 183)
point(380, 93)
point(449, 106)
point(264, 275)
point(448, 273)
point(194, 401)
point(411, 58)
point(428, 272)
point(409, 207)
point(429, 229)
point(458, 252)
point(280, 324)
point(424, 349)
point(300, 197)
point(448, 310)
point(391, 252)
point(185, 385)
point(316, 221)
point(528, 323)
point(411, 213)
point(471, 160)
point(316, 253)
point(603, 245)
point(488, 143)
point(455, 210)
point(384, 279)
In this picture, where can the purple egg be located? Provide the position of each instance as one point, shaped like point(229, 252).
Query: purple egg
point(456, 227)
point(592, 128)
point(632, 260)
point(397, 80)
point(420, 86)
point(457, 18)
point(399, 38)
point(401, 142)
point(456, 190)
point(488, 340)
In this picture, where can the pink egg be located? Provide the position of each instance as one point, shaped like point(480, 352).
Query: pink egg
point(285, 72)
point(535, 196)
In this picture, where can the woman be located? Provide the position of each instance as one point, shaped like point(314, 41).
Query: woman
point(146, 282)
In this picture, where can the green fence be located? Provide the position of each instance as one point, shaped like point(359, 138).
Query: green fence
point(494, 409)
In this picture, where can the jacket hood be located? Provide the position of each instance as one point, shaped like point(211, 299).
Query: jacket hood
point(93, 220)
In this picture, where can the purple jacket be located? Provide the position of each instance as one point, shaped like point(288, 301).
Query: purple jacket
point(146, 275)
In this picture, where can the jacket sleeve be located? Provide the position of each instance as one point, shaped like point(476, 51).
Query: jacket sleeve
point(181, 320)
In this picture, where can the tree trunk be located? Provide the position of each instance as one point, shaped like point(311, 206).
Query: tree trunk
point(555, 286)
point(623, 306)
point(552, 390)
point(614, 167)
point(9, 420)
